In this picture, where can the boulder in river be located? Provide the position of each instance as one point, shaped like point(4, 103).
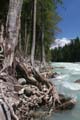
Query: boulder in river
point(77, 81)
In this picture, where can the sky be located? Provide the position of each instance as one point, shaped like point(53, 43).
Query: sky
point(70, 24)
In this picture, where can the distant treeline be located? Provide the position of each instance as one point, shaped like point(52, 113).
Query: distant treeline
point(68, 53)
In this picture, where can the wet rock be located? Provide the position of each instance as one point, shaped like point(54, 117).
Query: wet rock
point(60, 67)
point(77, 81)
point(53, 75)
point(22, 81)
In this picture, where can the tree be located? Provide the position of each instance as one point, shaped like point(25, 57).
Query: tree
point(34, 32)
point(68, 53)
point(12, 30)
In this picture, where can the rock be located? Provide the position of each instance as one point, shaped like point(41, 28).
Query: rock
point(27, 92)
point(52, 75)
point(77, 81)
point(21, 91)
point(22, 81)
point(60, 67)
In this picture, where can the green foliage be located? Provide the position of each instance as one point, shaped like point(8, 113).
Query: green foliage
point(47, 17)
point(69, 53)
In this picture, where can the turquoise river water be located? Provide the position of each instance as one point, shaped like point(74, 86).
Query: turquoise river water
point(68, 73)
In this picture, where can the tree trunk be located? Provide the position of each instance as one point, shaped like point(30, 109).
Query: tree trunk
point(27, 44)
point(19, 44)
point(43, 49)
point(34, 33)
point(12, 30)
point(27, 36)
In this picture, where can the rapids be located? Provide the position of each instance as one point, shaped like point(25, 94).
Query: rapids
point(68, 73)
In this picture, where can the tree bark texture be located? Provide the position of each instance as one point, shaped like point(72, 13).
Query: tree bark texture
point(34, 33)
point(12, 30)
point(43, 48)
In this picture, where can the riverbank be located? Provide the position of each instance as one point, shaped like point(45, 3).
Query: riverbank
point(28, 92)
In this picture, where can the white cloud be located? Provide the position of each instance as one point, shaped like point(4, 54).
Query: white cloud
point(60, 43)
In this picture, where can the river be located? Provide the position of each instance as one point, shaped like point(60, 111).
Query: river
point(68, 73)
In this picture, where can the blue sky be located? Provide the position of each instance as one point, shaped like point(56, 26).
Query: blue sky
point(70, 24)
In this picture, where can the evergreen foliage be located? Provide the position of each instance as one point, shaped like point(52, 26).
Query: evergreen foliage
point(47, 17)
point(68, 53)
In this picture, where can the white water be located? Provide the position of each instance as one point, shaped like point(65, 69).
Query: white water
point(68, 73)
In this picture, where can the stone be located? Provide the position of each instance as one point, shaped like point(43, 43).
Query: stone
point(22, 81)
point(77, 81)
point(27, 92)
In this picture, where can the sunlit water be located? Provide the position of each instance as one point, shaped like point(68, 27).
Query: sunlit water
point(69, 72)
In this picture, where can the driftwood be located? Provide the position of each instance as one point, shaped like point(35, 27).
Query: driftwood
point(7, 108)
point(21, 66)
point(40, 78)
point(67, 105)
point(23, 100)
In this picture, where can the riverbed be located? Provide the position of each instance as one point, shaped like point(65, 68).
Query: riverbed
point(68, 73)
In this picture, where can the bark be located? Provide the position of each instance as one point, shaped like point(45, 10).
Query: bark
point(21, 67)
point(41, 79)
point(34, 33)
point(27, 36)
point(20, 47)
point(12, 30)
point(43, 48)
point(19, 44)
point(42, 38)
point(27, 44)
point(1, 34)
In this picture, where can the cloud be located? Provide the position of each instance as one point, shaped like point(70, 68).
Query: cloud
point(60, 43)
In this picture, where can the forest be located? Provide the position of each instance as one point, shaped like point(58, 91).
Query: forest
point(68, 53)
point(36, 26)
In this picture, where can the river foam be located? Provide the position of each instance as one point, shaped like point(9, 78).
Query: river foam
point(71, 86)
point(65, 83)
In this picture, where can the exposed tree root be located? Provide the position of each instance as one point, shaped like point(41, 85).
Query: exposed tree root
point(24, 100)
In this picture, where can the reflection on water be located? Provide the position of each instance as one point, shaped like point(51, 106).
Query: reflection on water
point(69, 72)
